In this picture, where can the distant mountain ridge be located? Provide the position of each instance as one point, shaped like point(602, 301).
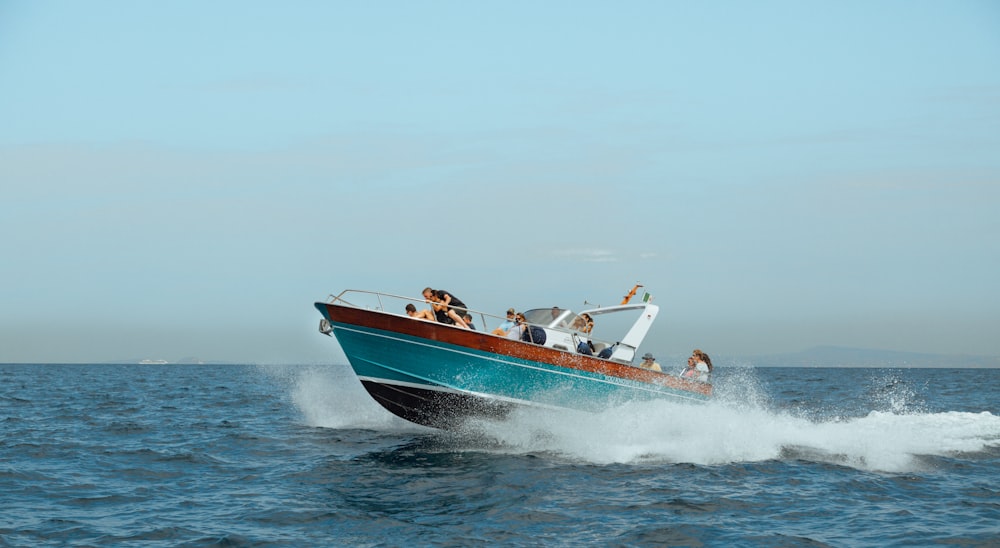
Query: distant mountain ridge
point(838, 356)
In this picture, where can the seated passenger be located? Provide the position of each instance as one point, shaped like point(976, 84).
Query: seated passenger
point(516, 332)
point(649, 362)
point(468, 321)
point(424, 314)
point(697, 368)
point(702, 358)
point(689, 371)
point(505, 326)
point(583, 323)
point(703, 364)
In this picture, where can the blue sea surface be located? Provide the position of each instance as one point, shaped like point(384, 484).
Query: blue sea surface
point(238, 455)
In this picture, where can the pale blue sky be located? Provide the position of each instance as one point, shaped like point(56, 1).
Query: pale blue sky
point(186, 178)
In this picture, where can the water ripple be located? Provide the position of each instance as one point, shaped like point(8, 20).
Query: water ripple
point(250, 456)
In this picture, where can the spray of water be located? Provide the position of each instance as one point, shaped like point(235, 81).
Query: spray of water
point(740, 425)
point(332, 397)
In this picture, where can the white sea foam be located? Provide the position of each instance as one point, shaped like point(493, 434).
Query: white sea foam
point(332, 397)
point(718, 433)
point(737, 426)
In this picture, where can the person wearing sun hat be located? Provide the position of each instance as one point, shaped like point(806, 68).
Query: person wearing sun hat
point(649, 362)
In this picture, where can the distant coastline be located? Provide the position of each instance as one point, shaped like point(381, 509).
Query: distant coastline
point(838, 356)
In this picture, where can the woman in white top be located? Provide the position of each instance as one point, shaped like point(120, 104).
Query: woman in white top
point(703, 364)
point(699, 367)
point(517, 330)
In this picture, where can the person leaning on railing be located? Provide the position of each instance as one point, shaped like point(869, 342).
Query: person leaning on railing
point(448, 308)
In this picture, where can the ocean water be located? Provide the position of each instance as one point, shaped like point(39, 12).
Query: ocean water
point(237, 455)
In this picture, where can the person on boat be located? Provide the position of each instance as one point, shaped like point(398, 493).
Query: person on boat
point(649, 362)
point(468, 321)
point(505, 326)
point(690, 372)
point(520, 326)
point(699, 366)
point(704, 362)
point(424, 314)
point(583, 323)
point(440, 310)
point(448, 308)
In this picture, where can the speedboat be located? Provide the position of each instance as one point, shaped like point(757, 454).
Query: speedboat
point(439, 375)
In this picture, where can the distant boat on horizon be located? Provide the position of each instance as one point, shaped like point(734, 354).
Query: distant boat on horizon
point(153, 362)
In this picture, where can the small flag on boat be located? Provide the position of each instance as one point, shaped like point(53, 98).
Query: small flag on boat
point(646, 297)
point(631, 294)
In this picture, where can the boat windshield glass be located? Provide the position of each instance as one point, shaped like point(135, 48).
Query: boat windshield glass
point(558, 318)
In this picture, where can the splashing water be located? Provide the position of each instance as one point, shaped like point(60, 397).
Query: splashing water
point(740, 425)
point(718, 433)
point(332, 397)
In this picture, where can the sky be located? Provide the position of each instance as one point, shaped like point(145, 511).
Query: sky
point(185, 179)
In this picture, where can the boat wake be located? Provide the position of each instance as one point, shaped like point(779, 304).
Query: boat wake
point(718, 434)
point(736, 427)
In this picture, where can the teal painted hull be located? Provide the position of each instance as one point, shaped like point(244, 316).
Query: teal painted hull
point(383, 356)
point(439, 375)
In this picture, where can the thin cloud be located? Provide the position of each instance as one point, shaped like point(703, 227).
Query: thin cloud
point(589, 255)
